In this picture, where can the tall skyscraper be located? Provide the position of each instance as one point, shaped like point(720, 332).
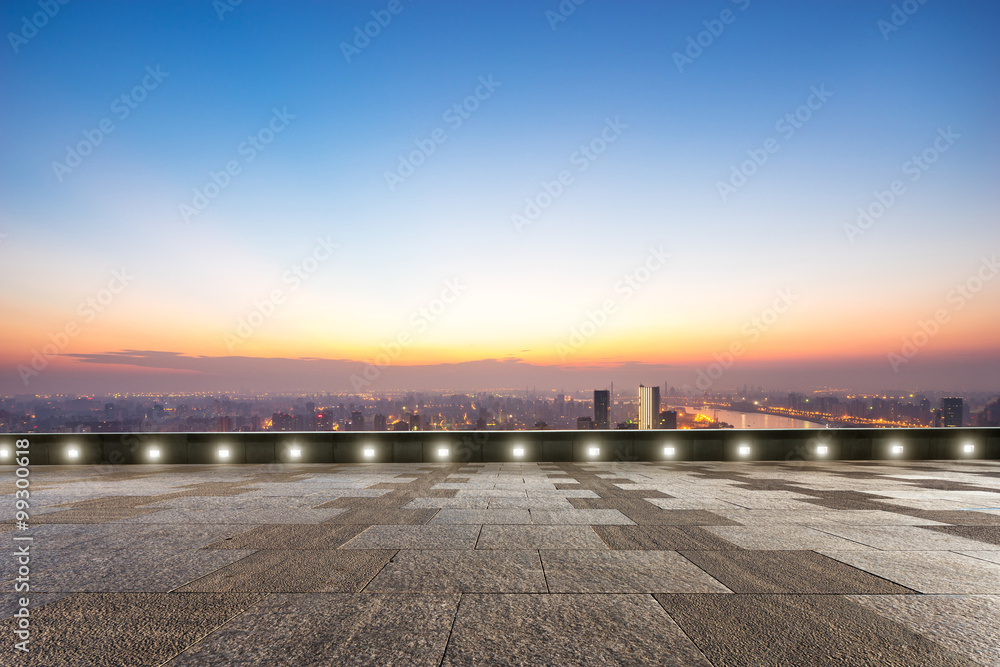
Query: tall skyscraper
point(649, 407)
point(602, 407)
point(951, 412)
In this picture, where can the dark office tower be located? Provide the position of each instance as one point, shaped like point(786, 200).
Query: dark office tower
point(414, 422)
point(951, 412)
point(584, 423)
point(668, 419)
point(380, 424)
point(357, 421)
point(649, 407)
point(602, 407)
point(560, 404)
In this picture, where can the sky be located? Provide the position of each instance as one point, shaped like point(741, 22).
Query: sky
point(280, 196)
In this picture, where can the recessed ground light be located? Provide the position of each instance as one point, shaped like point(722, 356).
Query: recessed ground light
point(73, 453)
point(154, 453)
point(369, 453)
point(519, 452)
point(223, 453)
point(744, 450)
point(669, 451)
point(594, 451)
point(822, 450)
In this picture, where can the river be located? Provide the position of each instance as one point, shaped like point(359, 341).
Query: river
point(754, 419)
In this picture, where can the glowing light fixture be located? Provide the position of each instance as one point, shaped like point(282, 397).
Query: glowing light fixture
point(969, 448)
point(223, 454)
point(594, 451)
point(822, 450)
point(669, 451)
point(295, 453)
point(744, 450)
point(369, 453)
point(154, 453)
point(73, 453)
point(897, 449)
point(4, 452)
point(519, 452)
point(442, 452)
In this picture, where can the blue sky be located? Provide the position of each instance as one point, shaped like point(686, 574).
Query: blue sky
point(657, 184)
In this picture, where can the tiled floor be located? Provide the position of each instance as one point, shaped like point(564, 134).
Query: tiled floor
point(467, 564)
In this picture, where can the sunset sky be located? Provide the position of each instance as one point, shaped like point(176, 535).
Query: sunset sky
point(199, 196)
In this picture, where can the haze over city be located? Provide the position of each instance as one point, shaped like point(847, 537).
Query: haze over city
point(396, 196)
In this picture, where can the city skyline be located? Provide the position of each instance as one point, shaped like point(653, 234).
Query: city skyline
point(380, 197)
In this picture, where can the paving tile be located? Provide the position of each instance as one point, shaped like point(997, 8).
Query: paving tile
point(988, 534)
point(805, 572)
point(295, 571)
point(807, 630)
point(783, 537)
point(531, 503)
point(328, 629)
point(966, 624)
point(939, 572)
point(115, 629)
point(904, 538)
point(461, 536)
point(441, 503)
point(579, 517)
point(591, 571)
point(10, 603)
point(126, 571)
point(990, 556)
point(539, 537)
point(661, 538)
point(567, 630)
point(290, 536)
point(480, 517)
point(465, 571)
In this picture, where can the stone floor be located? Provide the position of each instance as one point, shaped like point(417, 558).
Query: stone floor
point(468, 564)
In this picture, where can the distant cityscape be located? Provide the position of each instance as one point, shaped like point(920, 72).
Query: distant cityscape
point(501, 410)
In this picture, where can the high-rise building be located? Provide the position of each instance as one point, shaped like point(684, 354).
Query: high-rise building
point(649, 407)
point(380, 424)
point(602, 407)
point(584, 423)
point(357, 421)
point(951, 411)
point(668, 419)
